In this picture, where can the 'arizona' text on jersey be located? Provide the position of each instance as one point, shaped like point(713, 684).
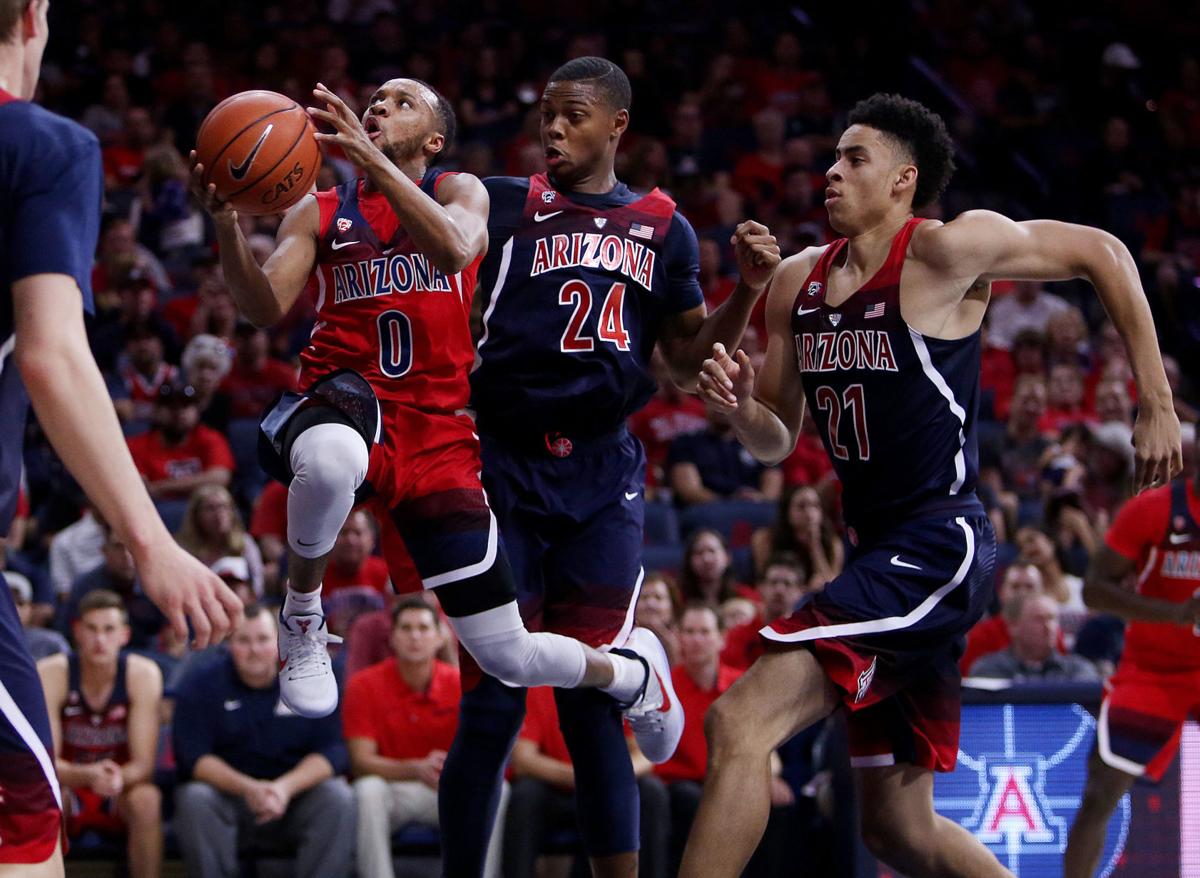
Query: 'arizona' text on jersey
point(577, 288)
point(377, 292)
point(895, 409)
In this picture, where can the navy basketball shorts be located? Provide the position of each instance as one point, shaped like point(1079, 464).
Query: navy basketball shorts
point(571, 514)
point(30, 801)
point(889, 632)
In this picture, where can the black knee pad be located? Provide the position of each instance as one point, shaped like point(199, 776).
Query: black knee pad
point(342, 397)
point(493, 588)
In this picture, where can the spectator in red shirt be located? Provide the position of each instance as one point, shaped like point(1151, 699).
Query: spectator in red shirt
point(142, 373)
point(180, 454)
point(758, 176)
point(351, 564)
point(1064, 399)
point(992, 634)
point(809, 463)
point(784, 583)
point(256, 378)
point(399, 717)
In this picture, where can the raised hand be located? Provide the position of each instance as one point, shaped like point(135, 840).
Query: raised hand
point(349, 133)
point(757, 253)
point(726, 382)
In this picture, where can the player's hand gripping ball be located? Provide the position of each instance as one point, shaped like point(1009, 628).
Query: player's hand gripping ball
point(258, 151)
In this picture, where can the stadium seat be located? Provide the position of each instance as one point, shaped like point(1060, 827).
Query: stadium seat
point(662, 525)
point(735, 520)
point(663, 559)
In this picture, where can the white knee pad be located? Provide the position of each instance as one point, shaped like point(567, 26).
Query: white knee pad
point(501, 645)
point(330, 462)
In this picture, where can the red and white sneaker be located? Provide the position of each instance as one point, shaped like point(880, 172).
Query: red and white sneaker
point(655, 715)
point(307, 685)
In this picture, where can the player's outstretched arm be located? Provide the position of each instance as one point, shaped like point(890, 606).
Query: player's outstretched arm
point(1105, 590)
point(451, 231)
point(688, 338)
point(264, 294)
point(73, 407)
point(984, 245)
point(765, 411)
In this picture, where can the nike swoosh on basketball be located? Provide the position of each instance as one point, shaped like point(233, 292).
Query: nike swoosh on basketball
point(801, 312)
point(631, 495)
point(239, 171)
point(898, 563)
point(1179, 539)
point(340, 244)
point(540, 217)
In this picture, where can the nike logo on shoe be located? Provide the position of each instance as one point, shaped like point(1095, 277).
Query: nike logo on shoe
point(898, 563)
point(540, 217)
point(239, 171)
point(338, 246)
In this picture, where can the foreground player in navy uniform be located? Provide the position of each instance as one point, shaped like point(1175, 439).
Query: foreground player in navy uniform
point(50, 191)
point(582, 279)
point(879, 332)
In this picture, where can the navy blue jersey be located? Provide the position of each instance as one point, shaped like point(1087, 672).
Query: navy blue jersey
point(51, 186)
point(895, 409)
point(576, 288)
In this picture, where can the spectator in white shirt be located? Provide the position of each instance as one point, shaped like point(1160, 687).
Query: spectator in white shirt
point(75, 550)
point(1028, 306)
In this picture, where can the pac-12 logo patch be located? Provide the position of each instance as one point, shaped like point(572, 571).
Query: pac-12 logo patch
point(343, 224)
point(814, 288)
point(548, 196)
point(1018, 783)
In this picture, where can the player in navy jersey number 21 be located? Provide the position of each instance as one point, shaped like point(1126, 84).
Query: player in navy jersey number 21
point(50, 192)
point(582, 279)
point(879, 333)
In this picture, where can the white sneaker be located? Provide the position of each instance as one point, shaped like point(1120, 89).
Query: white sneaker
point(306, 682)
point(656, 716)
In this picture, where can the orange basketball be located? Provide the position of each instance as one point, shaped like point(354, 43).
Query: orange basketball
point(258, 148)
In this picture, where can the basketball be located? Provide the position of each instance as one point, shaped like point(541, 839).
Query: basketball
point(258, 148)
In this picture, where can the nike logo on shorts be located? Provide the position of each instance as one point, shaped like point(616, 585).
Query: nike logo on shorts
point(631, 495)
point(240, 171)
point(898, 563)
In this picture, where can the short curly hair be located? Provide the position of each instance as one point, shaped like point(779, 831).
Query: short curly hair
point(920, 131)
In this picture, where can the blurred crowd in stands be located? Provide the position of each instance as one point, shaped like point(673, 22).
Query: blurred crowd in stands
point(1091, 116)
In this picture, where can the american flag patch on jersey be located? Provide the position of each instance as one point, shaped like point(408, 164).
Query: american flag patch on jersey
point(875, 310)
point(640, 231)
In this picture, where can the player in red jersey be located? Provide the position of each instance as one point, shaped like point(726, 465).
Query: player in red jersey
point(879, 332)
point(1153, 546)
point(392, 258)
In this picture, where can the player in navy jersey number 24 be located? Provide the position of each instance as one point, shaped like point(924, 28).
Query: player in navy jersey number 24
point(879, 333)
point(582, 279)
point(50, 193)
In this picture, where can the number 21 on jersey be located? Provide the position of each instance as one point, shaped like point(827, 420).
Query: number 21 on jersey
point(610, 327)
point(852, 401)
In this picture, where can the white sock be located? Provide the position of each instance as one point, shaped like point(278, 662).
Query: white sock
point(628, 677)
point(302, 603)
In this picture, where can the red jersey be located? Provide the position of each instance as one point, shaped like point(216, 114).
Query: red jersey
point(1158, 531)
point(143, 391)
point(383, 309)
point(743, 644)
point(89, 734)
point(203, 449)
point(269, 517)
point(404, 724)
point(690, 761)
point(659, 422)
